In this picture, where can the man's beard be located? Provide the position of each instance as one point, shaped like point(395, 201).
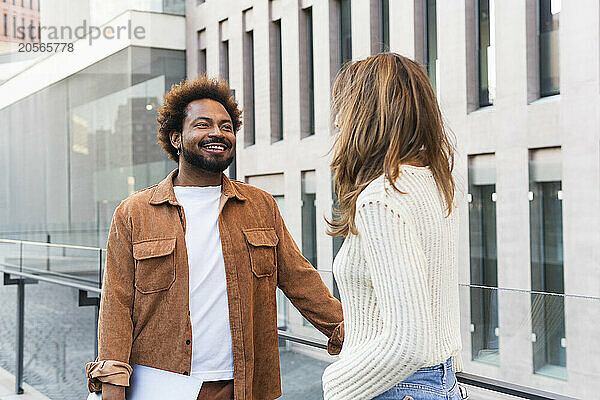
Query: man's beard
point(208, 164)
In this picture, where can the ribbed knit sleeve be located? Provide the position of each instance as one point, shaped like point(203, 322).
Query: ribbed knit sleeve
point(400, 308)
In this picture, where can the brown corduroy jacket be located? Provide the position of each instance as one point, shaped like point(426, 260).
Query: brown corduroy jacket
point(144, 309)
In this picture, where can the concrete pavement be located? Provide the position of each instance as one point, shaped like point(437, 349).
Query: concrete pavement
point(7, 389)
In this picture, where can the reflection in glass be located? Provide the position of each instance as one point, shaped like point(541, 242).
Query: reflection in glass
point(549, 47)
point(487, 50)
point(483, 257)
point(547, 264)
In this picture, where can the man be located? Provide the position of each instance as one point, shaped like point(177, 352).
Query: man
point(193, 264)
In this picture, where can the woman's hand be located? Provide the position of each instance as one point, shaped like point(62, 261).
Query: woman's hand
point(112, 392)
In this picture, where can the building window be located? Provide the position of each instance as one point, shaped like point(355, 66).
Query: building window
point(307, 77)
point(14, 26)
point(202, 52)
point(23, 28)
point(548, 45)
point(487, 52)
point(380, 26)
point(309, 216)
point(249, 133)
point(224, 50)
point(431, 41)
point(276, 82)
point(31, 4)
point(224, 60)
point(345, 32)
point(547, 263)
point(384, 24)
point(5, 25)
point(483, 259)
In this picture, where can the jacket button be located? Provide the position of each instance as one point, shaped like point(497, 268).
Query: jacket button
point(185, 373)
point(187, 341)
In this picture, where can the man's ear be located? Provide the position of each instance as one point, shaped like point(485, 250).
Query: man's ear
point(175, 139)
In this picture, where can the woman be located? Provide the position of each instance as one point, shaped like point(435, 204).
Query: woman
point(396, 270)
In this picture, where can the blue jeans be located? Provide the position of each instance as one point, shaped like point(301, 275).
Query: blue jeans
point(430, 383)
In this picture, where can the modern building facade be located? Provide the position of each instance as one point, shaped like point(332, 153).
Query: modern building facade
point(518, 84)
point(80, 124)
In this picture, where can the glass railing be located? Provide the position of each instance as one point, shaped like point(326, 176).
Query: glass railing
point(515, 342)
point(47, 342)
point(535, 340)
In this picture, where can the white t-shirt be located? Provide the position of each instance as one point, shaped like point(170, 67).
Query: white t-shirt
point(212, 351)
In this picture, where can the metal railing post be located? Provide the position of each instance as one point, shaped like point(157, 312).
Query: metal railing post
point(20, 334)
point(48, 252)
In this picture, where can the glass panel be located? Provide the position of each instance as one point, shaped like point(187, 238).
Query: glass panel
point(519, 312)
point(487, 51)
point(8, 328)
point(60, 338)
point(174, 7)
point(9, 256)
point(281, 311)
point(302, 368)
point(295, 323)
point(549, 47)
point(345, 31)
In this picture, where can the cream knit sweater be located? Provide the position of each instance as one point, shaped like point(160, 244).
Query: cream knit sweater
point(399, 288)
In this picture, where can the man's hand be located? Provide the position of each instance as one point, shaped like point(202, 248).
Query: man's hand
point(112, 392)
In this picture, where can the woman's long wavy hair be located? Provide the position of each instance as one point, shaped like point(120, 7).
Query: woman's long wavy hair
point(387, 115)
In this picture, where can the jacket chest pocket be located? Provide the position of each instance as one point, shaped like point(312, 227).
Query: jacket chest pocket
point(154, 265)
point(262, 246)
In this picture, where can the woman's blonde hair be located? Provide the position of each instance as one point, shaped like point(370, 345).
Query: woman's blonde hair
point(387, 115)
